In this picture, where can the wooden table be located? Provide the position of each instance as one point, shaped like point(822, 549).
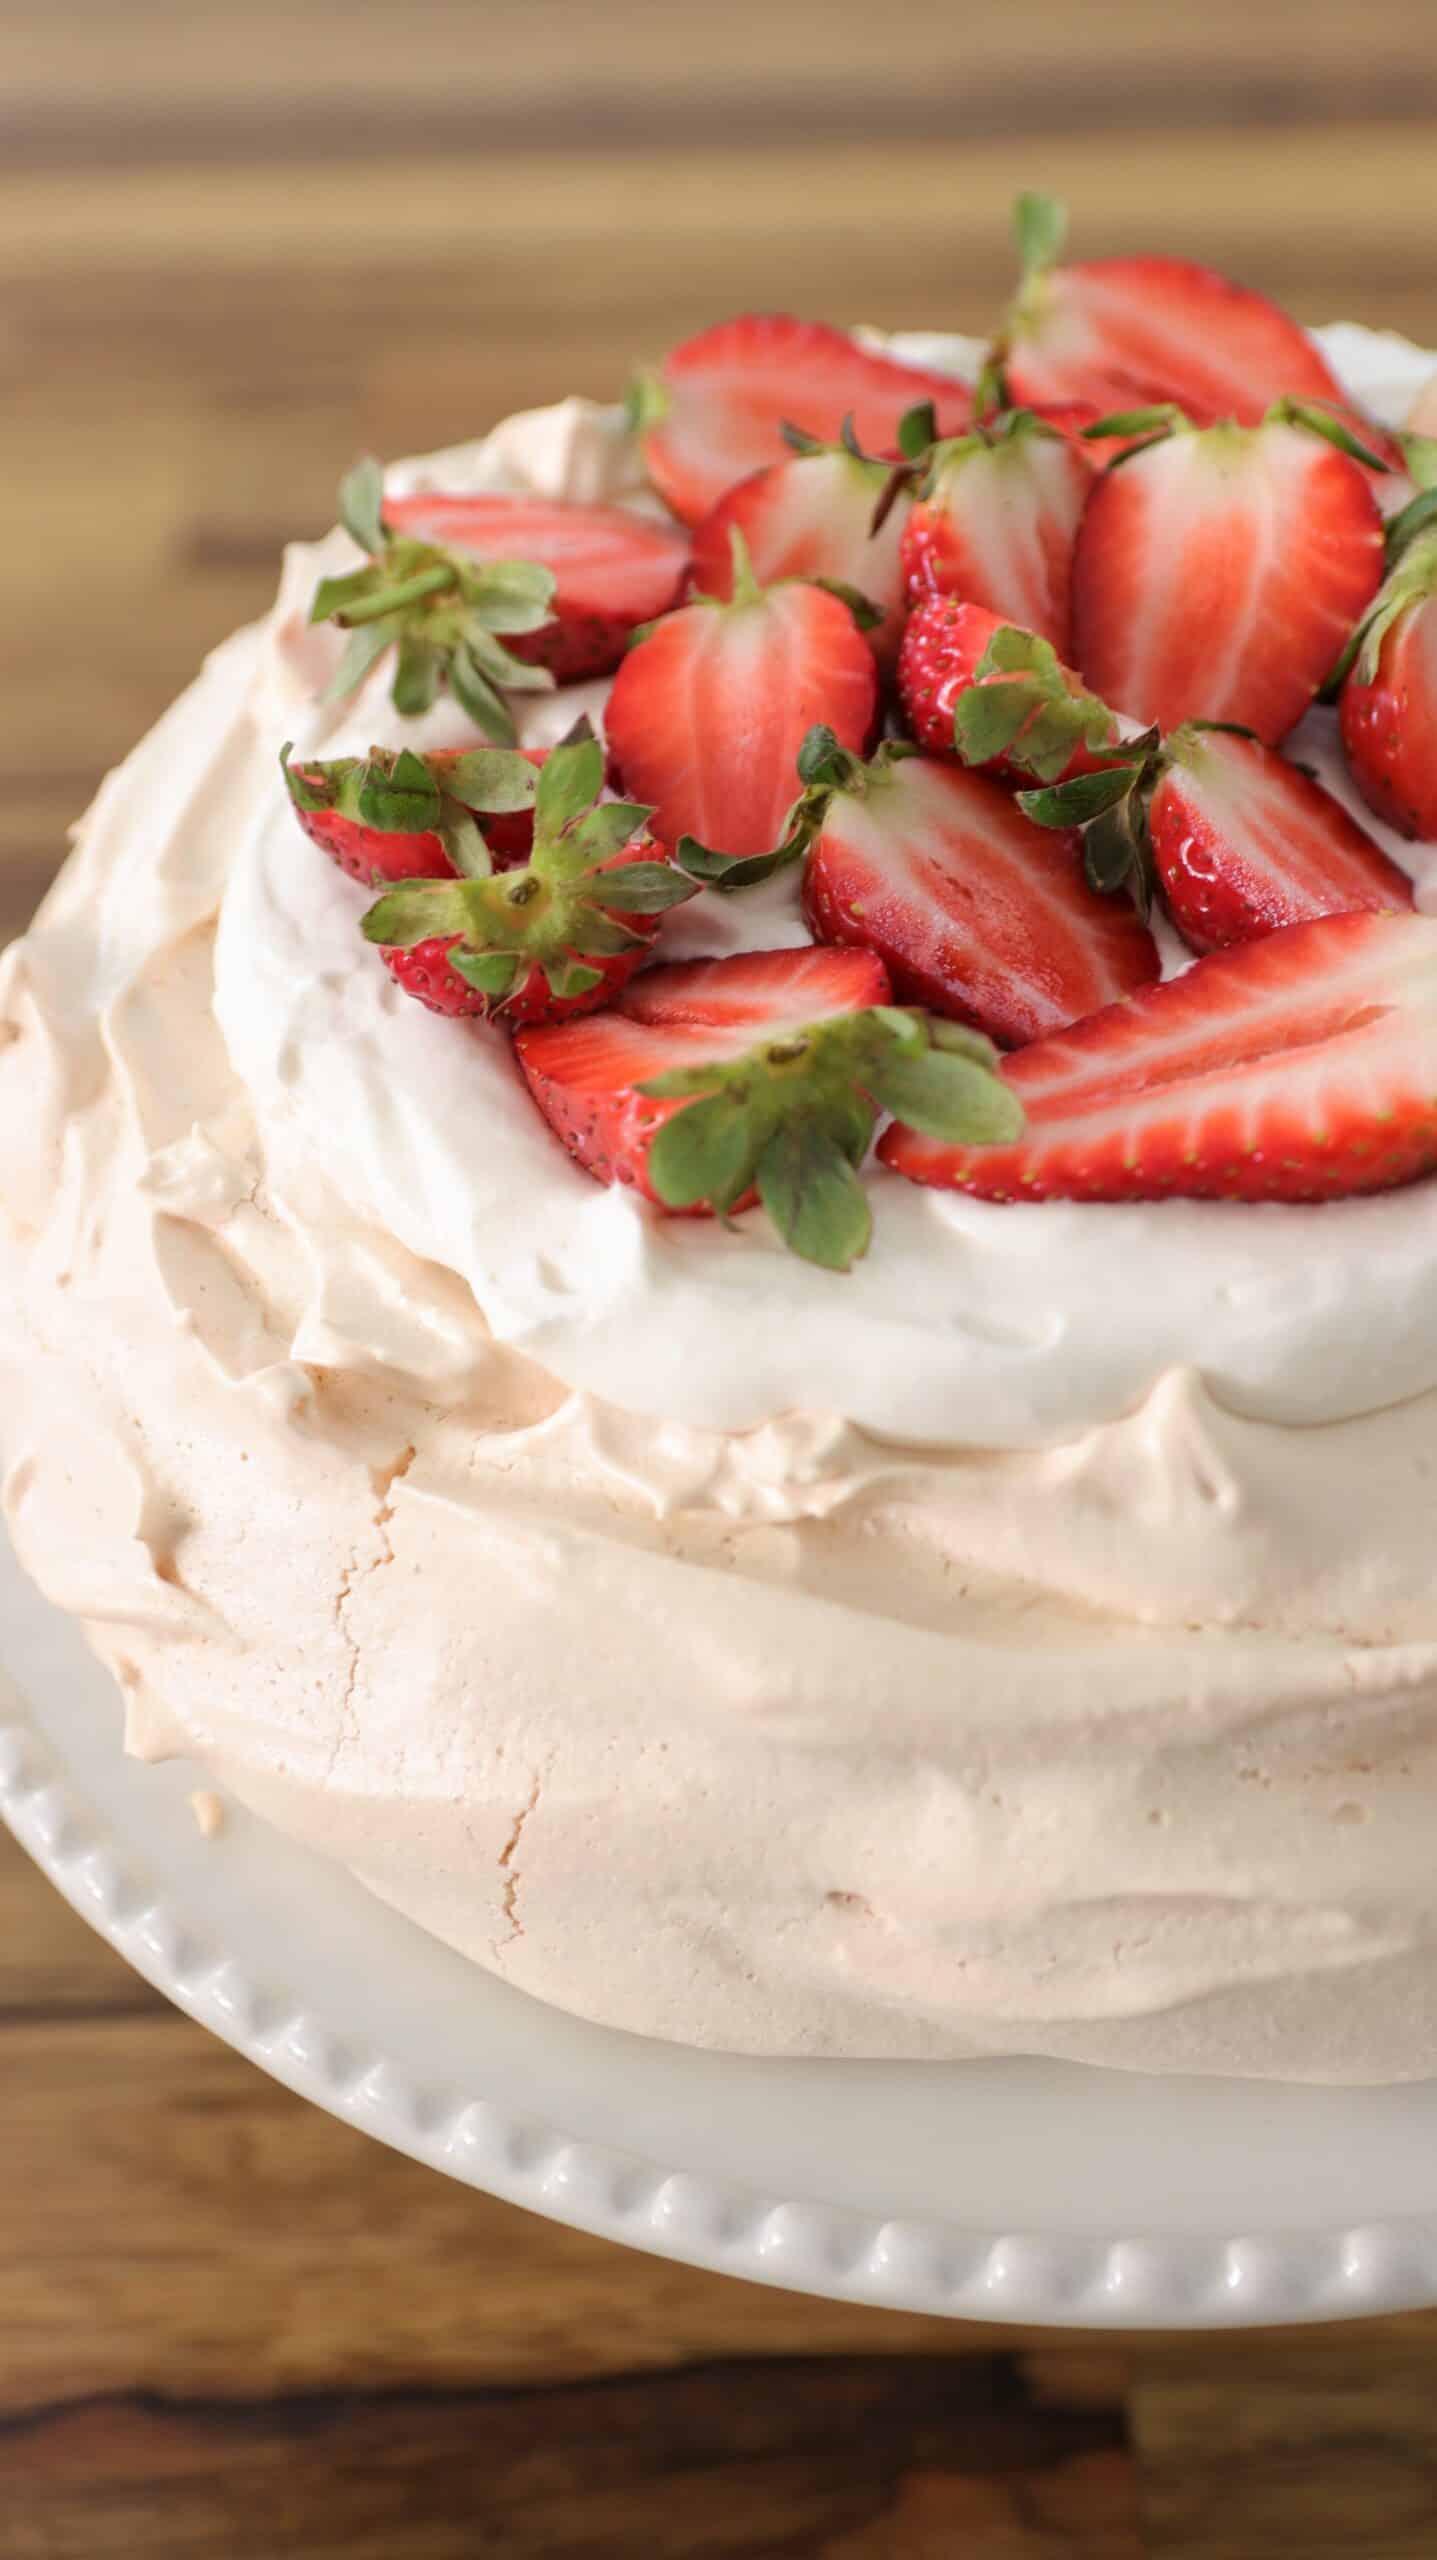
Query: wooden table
point(237, 247)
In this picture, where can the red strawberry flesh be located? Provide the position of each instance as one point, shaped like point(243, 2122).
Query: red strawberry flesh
point(1245, 842)
point(727, 394)
point(613, 568)
point(1301, 1067)
point(976, 912)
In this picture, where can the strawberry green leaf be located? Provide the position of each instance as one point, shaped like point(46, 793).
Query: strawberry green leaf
point(988, 717)
point(569, 783)
point(799, 441)
point(361, 504)
point(500, 664)
point(403, 799)
point(463, 842)
point(303, 791)
point(497, 780)
point(813, 1195)
point(492, 973)
point(1420, 455)
point(414, 913)
point(643, 888)
point(865, 612)
point(646, 402)
point(335, 596)
point(715, 870)
point(569, 978)
point(917, 430)
point(1151, 423)
point(953, 1098)
point(512, 595)
point(704, 1154)
point(1040, 227)
point(362, 650)
point(475, 694)
point(1404, 527)
point(1073, 804)
point(417, 674)
point(1328, 424)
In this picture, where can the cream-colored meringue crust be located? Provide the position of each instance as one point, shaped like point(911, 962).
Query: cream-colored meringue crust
point(1031, 1648)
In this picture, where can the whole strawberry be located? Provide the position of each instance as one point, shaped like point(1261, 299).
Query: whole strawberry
point(719, 1083)
point(974, 686)
point(445, 617)
point(1218, 572)
point(554, 937)
point(1387, 708)
point(395, 815)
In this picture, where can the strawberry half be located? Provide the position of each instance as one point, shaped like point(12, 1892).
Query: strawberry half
point(995, 520)
point(1219, 571)
point(1242, 841)
point(975, 686)
point(1125, 332)
point(1387, 707)
point(552, 938)
point(443, 615)
point(709, 710)
point(612, 569)
point(973, 910)
point(720, 1082)
point(813, 516)
point(1300, 1067)
point(716, 408)
point(394, 815)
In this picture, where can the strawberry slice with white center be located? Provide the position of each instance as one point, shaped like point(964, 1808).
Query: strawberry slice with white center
point(976, 686)
point(1125, 332)
point(1241, 841)
point(974, 911)
point(395, 815)
point(1244, 843)
point(554, 937)
point(716, 408)
point(612, 569)
point(709, 710)
point(1219, 571)
point(1301, 1067)
point(720, 1082)
point(812, 516)
point(995, 520)
point(1388, 704)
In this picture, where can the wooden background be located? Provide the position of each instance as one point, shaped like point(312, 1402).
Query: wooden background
point(236, 248)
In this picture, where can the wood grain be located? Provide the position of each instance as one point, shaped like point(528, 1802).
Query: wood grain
point(237, 247)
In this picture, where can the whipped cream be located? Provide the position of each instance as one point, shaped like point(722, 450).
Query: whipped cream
point(996, 1326)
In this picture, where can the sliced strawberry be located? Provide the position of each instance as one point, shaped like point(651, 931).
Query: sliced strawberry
point(812, 516)
point(555, 937)
point(1388, 704)
point(716, 408)
point(953, 650)
point(1124, 332)
point(612, 569)
point(1241, 841)
point(719, 1082)
point(1218, 573)
point(708, 712)
point(392, 815)
point(974, 911)
point(1299, 1067)
point(1245, 842)
point(995, 520)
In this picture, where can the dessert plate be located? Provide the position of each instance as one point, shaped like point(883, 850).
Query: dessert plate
point(1001, 2191)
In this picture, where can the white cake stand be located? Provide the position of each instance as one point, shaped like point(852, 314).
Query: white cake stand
point(1019, 2191)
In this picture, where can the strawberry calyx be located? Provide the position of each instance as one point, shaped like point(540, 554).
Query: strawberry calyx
point(1139, 428)
point(1021, 704)
point(793, 1118)
point(443, 614)
point(1410, 555)
point(397, 792)
point(562, 910)
point(927, 456)
point(824, 768)
point(1112, 807)
point(748, 589)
